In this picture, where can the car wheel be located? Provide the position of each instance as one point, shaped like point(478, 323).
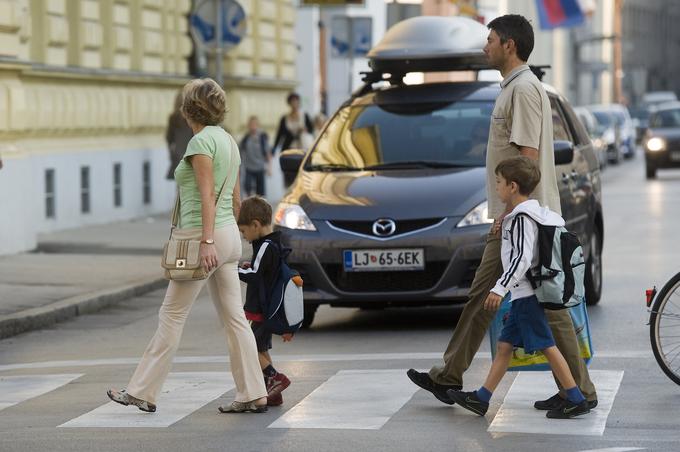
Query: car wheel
point(593, 278)
point(309, 313)
point(650, 172)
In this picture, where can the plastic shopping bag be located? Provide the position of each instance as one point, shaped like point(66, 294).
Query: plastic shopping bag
point(536, 361)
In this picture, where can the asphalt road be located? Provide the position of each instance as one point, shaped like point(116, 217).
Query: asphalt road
point(349, 390)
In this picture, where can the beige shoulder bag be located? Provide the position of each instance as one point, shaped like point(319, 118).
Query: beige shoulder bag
point(181, 254)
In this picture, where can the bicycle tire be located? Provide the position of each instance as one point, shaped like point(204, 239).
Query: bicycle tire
point(655, 319)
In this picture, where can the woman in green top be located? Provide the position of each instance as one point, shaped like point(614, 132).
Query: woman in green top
point(211, 159)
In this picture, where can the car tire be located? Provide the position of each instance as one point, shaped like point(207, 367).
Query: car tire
point(593, 277)
point(309, 313)
point(650, 172)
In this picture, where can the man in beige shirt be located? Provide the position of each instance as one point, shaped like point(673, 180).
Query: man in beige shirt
point(521, 124)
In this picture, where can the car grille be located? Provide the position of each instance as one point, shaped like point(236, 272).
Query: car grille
point(402, 226)
point(387, 281)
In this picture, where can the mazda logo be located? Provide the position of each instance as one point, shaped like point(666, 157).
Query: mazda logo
point(384, 227)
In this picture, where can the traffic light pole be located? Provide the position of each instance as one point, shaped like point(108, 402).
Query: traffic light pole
point(218, 48)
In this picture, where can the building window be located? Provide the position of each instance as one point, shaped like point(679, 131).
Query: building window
point(146, 182)
point(117, 185)
point(50, 194)
point(85, 189)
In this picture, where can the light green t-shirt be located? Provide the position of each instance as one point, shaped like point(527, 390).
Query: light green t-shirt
point(217, 144)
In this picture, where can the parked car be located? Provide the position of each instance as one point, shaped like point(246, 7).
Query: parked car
point(617, 117)
point(662, 143)
point(389, 206)
point(640, 117)
point(596, 132)
point(653, 98)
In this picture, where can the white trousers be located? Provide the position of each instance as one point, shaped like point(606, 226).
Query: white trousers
point(225, 291)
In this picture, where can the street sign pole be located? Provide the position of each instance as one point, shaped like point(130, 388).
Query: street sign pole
point(218, 48)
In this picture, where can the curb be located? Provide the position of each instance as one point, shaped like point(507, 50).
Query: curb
point(36, 318)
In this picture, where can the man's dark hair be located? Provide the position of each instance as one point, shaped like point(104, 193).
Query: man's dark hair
point(517, 28)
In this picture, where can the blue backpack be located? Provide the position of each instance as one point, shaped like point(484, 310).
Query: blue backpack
point(284, 307)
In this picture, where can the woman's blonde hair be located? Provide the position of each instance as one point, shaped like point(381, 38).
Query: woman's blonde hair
point(204, 102)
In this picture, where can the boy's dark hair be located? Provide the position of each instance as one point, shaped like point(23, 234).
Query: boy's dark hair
point(517, 28)
point(521, 170)
point(255, 208)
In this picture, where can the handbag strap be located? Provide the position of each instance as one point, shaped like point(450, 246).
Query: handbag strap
point(175, 210)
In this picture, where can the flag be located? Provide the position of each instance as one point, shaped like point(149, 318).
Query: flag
point(559, 13)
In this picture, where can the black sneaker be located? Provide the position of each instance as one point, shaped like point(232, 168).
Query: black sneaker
point(424, 381)
point(568, 410)
point(469, 400)
point(554, 403)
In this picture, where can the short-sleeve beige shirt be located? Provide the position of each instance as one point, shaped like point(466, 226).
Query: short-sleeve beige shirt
point(522, 117)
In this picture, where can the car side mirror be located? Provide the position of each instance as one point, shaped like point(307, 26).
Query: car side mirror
point(564, 152)
point(290, 161)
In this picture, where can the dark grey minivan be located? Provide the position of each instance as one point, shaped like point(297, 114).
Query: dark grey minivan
point(389, 208)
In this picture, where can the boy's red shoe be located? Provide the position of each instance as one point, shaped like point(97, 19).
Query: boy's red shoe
point(277, 383)
point(275, 400)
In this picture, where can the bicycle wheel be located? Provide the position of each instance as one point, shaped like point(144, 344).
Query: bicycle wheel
point(664, 329)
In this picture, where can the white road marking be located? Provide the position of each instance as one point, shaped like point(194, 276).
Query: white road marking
point(615, 449)
point(16, 389)
point(183, 393)
point(351, 399)
point(517, 414)
point(220, 359)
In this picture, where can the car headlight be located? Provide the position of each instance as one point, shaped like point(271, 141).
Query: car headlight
point(609, 136)
point(478, 215)
point(656, 144)
point(292, 216)
point(597, 143)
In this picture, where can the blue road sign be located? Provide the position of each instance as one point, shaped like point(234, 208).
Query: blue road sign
point(203, 23)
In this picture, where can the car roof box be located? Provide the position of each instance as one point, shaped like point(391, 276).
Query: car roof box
point(431, 44)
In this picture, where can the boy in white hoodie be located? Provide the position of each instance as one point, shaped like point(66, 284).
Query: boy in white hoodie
point(526, 326)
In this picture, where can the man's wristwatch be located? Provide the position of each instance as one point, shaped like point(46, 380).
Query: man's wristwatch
point(208, 241)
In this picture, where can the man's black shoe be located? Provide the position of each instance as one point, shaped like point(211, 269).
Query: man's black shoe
point(554, 403)
point(424, 381)
point(469, 400)
point(568, 410)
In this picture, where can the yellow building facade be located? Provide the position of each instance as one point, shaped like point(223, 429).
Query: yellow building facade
point(86, 87)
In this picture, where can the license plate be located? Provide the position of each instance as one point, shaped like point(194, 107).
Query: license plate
point(403, 259)
point(675, 156)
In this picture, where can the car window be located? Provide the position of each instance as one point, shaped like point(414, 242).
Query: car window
point(366, 135)
point(560, 128)
point(604, 118)
point(665, 119)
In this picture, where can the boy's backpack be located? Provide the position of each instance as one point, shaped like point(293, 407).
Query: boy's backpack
point(284, 307)
point(558, 279)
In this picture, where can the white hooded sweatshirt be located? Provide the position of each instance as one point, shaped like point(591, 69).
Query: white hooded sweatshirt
point(519, 247)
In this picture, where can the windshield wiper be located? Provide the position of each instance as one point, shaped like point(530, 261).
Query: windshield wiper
point(416, 164)
point(332, 167)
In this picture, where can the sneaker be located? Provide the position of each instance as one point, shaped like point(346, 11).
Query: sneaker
point(568, 410)
point(126, 399)
point(469, 400)
point(243, 407)
point(277, 383)
point(424, 381)
point(275, 399)
point(554, 403)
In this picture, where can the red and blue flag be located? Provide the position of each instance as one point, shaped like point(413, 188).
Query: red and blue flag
point(559, 13)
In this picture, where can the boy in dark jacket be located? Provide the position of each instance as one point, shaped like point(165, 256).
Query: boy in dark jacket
point(255, 224)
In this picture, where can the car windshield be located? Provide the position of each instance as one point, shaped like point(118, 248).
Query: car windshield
point(665, 119)
point(404, 136)
point(604, 118)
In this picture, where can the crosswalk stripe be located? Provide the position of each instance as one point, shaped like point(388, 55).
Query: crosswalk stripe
point(351, 399)
point(517, 414)
point(17, 389)
point(183, 393)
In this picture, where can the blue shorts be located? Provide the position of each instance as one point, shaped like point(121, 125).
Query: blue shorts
point(526, 326)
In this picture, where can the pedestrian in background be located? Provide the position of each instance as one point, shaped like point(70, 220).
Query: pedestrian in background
point(319, 123)
point(261, 273)
point(211, 159)
point(256, 158)
point(521, 124)
point(295, 128)
point(177, 136)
